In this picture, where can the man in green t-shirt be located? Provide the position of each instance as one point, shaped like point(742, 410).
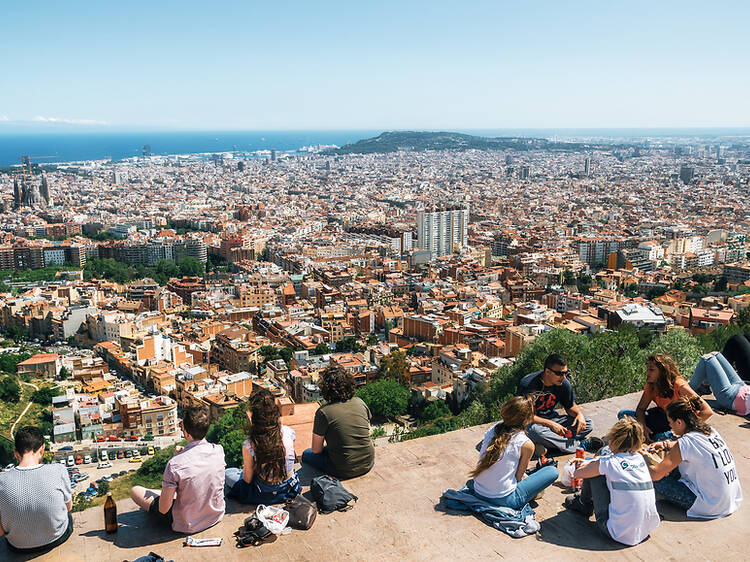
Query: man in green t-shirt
point(343, 424)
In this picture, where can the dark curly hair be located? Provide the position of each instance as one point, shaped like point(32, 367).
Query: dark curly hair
point(336, 384)
point(265, 435)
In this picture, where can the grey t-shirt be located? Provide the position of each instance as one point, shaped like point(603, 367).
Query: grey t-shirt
point(32, 504)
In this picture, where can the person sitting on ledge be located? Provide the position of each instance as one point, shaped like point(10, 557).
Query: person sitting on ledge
point(504, 457)
point(343, 424)
point(35, 498)
point(730, 390)
point(737, 353)
point(267, 475)
point(617, 487)
point(551, 429)
point(192, 494)
point(663, 385)
point(707, 486)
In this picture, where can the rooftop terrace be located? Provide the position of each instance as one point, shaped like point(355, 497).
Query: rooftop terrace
point(396, 517)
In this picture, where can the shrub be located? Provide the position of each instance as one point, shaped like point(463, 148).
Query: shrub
point(385, 397)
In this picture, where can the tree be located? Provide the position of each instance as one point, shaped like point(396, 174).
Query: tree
point(349, 344)
point(232, 444)
point(9, 361)
point(385, 397)
point(321, 349)
point(64, 373)
point(395, 366)
point(191, 267)
point(6, 451)
point(743, 318)
point(720, 285)
point(103, 488)
point(372, 339)
point(435, 410)
point(44, 395)
point(9, 390)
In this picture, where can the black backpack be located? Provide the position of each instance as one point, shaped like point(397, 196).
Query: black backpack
point(330, 495)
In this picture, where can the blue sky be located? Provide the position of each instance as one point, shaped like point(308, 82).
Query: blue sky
point(375, 65)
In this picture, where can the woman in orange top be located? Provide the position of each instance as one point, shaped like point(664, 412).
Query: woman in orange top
point(664, 384)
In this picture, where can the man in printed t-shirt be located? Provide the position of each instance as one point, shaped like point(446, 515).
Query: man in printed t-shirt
point(552, 429)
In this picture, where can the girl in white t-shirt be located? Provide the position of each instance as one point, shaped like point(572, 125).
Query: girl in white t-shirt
point(708, 486)
point(504, 457)
point(617, 488)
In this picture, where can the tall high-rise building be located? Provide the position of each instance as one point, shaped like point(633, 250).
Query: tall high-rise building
point(587, 166)
point(686, 174)
point(524, 172)
point(442, 230)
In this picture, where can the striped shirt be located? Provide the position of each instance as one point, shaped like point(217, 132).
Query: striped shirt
point(32, 504)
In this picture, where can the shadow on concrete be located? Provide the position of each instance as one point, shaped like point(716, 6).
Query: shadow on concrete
point(136, 530)
point(571, 530)
point(10, 556)
point(306, 473)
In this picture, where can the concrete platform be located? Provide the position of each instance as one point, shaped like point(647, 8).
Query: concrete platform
point(396, 517)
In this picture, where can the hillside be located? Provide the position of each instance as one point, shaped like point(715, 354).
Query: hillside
point(392, 141)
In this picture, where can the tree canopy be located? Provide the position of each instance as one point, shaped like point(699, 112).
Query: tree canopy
point(385, 397)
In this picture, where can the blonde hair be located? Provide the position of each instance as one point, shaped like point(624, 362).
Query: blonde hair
point(626, 436)
point(516, 414)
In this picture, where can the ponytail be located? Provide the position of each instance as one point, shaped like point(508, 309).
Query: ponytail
point(686, 409)
point(516, 414)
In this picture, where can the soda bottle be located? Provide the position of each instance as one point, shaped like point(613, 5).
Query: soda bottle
point(578, 482)
point(110, 514)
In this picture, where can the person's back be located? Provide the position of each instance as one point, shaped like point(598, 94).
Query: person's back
point(708, 470)
point(346, 428)
point(499, 479)
point(197, 472)
point(632, 507)
point(32, 504)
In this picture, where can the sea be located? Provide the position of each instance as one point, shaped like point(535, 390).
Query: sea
point(58, 146)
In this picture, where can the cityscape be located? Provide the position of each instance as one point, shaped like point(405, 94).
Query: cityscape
point(432, 265)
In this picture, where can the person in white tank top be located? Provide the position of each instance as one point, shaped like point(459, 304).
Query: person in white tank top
point(617, 487)
point(709, 486)
point(504, 457)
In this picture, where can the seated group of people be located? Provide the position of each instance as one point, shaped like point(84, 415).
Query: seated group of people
point(668, 449)
point(36, 498)
point(196, 480)
point(697, 472)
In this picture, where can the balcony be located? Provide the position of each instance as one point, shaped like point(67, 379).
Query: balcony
point(396, 517)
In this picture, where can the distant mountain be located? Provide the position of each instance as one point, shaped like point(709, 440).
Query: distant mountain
point(392, 141)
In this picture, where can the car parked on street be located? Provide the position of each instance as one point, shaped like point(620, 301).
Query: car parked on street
point(120, 455)
point(136, 459)
point(104, 464)
point(71, 460)
point(87, 459)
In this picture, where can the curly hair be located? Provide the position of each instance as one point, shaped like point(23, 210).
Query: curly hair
point(265, 435)
point(336, 384)
point(516, 414)
point(669, 372)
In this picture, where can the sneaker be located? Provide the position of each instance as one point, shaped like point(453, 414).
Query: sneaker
point(574, 503)
point(592, 444)
point(539, 450)
point(703, 390)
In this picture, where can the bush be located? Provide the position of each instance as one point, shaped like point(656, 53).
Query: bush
point(9, 390)
point(435, 410)
point(44, 395)
point(150, 473)
point(385, 397)
point(229, 431)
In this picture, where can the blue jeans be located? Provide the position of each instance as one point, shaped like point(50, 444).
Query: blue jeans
point(675, 492)
point(322, 462)
point(526, 490)
point(259, 491)
point(724, 381)
point(656, 421)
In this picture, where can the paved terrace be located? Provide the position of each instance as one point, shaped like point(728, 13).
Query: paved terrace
point(396, 517)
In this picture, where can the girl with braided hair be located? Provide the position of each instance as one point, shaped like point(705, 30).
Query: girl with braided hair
point(505, 454)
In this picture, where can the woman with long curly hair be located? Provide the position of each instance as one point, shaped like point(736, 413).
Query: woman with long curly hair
point(267, 475)
point(504, 457)
point(708, 486)
point(341, 444)
point(664, 384)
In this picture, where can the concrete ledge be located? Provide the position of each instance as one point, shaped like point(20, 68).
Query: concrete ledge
point(396, 517)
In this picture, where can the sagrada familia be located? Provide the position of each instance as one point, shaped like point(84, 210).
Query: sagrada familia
point(28, 192)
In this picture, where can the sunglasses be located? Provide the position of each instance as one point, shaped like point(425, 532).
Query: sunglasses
point(560, 373)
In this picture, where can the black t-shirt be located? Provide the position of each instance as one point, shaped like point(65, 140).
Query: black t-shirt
point(550, 395)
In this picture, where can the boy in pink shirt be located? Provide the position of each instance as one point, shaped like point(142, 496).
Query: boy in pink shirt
point(192, 495)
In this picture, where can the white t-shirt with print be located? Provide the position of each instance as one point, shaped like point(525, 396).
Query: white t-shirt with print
point(632, 503)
